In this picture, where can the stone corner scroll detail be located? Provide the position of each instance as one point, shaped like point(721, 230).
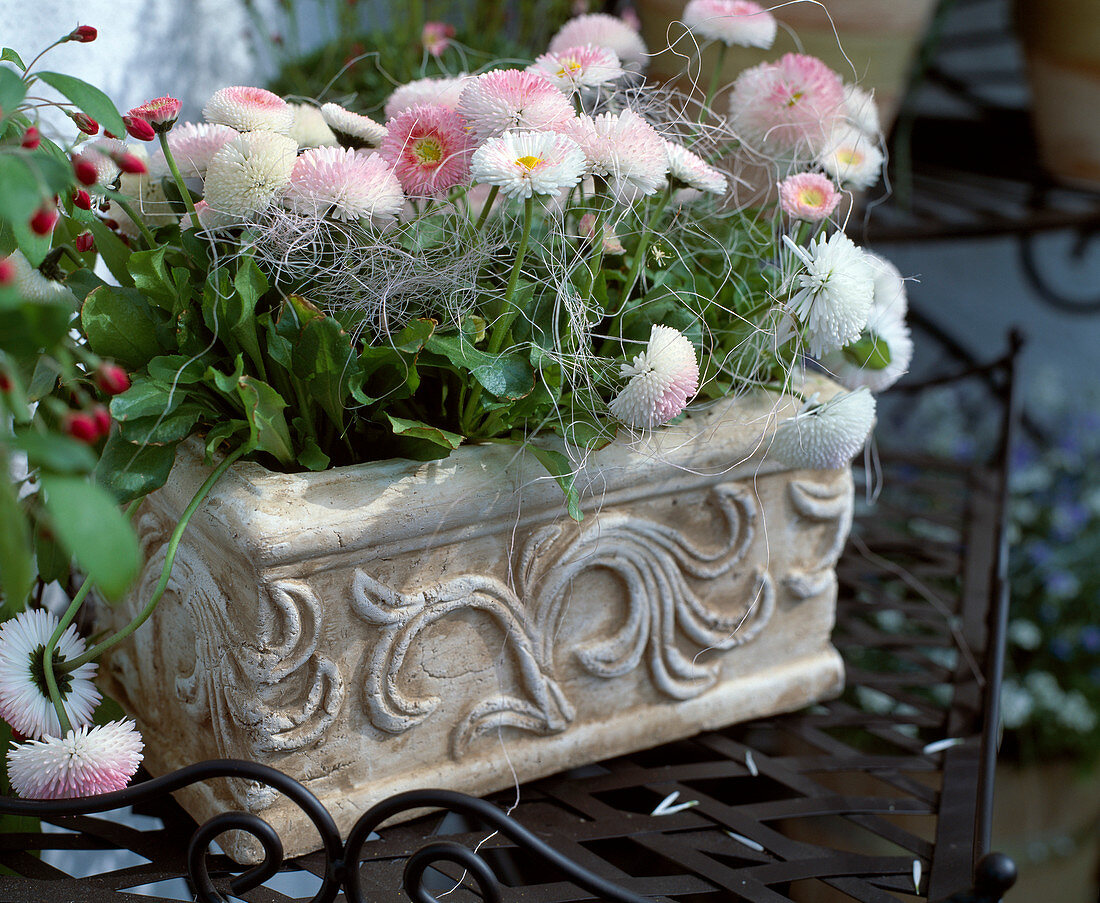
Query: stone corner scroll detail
point(830, 504)
point(653, 562)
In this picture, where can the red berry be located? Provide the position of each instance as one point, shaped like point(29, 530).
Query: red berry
point(82, 199)
point(139, 128)
point(111, 378)
point(31, 138)
point(102, 419)
point(85, 170)
point(44, 220)
point(7, 271)
point(83, 34)
point(82, 425)
point(84, 242)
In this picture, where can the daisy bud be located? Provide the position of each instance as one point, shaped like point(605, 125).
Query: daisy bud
point(82, 199)
point(139, 128)
point(85, 123)
point(7, 272)
point(436, 37)
point(82, 426)
point(83, 34)
point(84, 170)
point(662, 379)
point(101, 417)
point(44, 220)
point(111, 378)
point(31, 138)
point(84, 242)
point(160, 114)
point(129, 163)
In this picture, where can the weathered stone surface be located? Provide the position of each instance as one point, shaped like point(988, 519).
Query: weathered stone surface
point(384, 627)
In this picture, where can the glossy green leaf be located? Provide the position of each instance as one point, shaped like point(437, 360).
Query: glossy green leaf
point(122, 325)
point(325, 361)
point(163, 429)
point(113, 252)
point(414, 429)
point(507, 376)
point(151, 276)
point(12, 87)
point(54, 452)
point(146, 397)
point(8, 55)
point(87, 98)
point(264, 409)
point(50, 559)
point(130, 471)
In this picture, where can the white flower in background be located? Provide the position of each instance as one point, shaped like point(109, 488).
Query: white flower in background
point(525, 163)
point(193, 146)
point(624, 149)
point(1017, 704)
point(248, 109)
point(603, 31)
point(24, 700)
point(338, 182)
point(662, 379)
point(250, 173)
point(33, 286)
point(100, 154)
point(352, 129)
point(825, 435)
point(861, 110)
point(87, 761)
point(309, 128)
point(441, 92)
point(734, 22)
point(886, 329)
point(146, 197)
point(890, 293)
point(692, 170)
point(575, 68)
point(1076, 714)
point(853, 158)
point(1025, 634)
point(835, 292)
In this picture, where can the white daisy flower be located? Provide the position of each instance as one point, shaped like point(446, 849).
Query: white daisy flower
point(886, 329)
point(861, 110)
point(624, 149)
point(825, 435)
point(193, 145)
point(662, 379)
point(309, 128)
point(575, 68)
point(342, 184)
point(692, 170)
point(442, 92)
point(890, 293)
point(835, 292)
point(24, 701)
point(739, 22)
point(352, 129)
point(525, 163)
point(87, 761)
point(33, 286)
point(250, 173)
point(249, 109)
point(604, 31)
point(852, 158)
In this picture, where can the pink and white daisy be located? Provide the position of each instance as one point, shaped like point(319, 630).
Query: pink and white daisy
point(338, 182)
point(193, 146)
point(835, 292)
point(250, 173)
point(441, 92)
point(249, 109)
point(579, 67)
point(808, 196)
point(861, 110)
point(509, 99)
point(604, 31)
point(309, 128)
point(662, 379)
point(523, 164)
point(825, 435)
point(429, 149)
point(161, 113)
point(739, 22)
point(853, 158)
point(24, 700)
point(436, 37)
point(693, 171)
point(788, 107)
point(85, 762)
point(352, 129)
point(623, 149)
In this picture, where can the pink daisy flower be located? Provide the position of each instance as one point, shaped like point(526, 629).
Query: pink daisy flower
point(603, 31)
point(808, 196)
point(246, 109)
point(663, 378)
point(525, 163)
point(511, 99)
point(352, 129)
point(161, 113)
point(429, 148)
point(338, 182)
point(436, 37)
point(579, 67)
point(624, 150)
point(692, 170)
point(738, 22)
point(440, 92)
point(85, 762)
point(788, 107)
point(193, 145)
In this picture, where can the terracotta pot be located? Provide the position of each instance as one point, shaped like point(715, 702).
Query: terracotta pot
point(879, 38)
point(1062, 43)
point(402, 625)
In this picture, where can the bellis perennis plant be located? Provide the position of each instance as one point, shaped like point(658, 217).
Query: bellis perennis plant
point(547, 253)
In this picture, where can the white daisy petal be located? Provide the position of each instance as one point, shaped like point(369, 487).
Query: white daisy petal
point(662, 379)
point(825, 436)
point(85, 762)
point(249, 174)
point(352, 129)
point(522, 164)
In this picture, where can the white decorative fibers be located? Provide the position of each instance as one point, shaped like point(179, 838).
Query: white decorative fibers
point(739, 22)
point(250, 173)
point(662, 379)
point(309, 128)
point(825, 436)
point(692, 170)
point(525, 163)
point(248, 109)
point(87, 761)
point(835, 292)
point(24, 702)
point(853, 158)
point(624, 149)
point(342, 184)
point(352, 129)
point(603, 31)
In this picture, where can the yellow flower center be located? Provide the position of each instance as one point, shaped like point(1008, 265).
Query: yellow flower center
point(529, 162)
point(569, 67)
point(428, 150)
point(849, 156)
point(795, 98)
point(811, 197)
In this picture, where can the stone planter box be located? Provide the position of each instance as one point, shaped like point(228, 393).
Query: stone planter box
point(399, 625)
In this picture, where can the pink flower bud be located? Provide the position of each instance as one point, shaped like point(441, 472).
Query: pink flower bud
point(436, 37)
point(44, 220)
point(7, 271)
point(85, 123)
point(82, 199)
point(84, 242)
point(82, 425)
point(111, 378)
point(139, 128)
point(31, 138)
point(83, 34)
point(84, 170)
point(102, 419)
point(161, 114)
point(129, 163)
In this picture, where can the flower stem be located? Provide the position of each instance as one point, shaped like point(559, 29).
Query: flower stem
point(493, 192)
point(166, 569)
point(138, 221)
point(714, 76)
point(184, 193)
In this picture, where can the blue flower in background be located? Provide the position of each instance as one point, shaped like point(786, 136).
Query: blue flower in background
point(1061, 648)
point(1090, 639)
point(1039, 553)
point(1068, 519)
point(1061, 584)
